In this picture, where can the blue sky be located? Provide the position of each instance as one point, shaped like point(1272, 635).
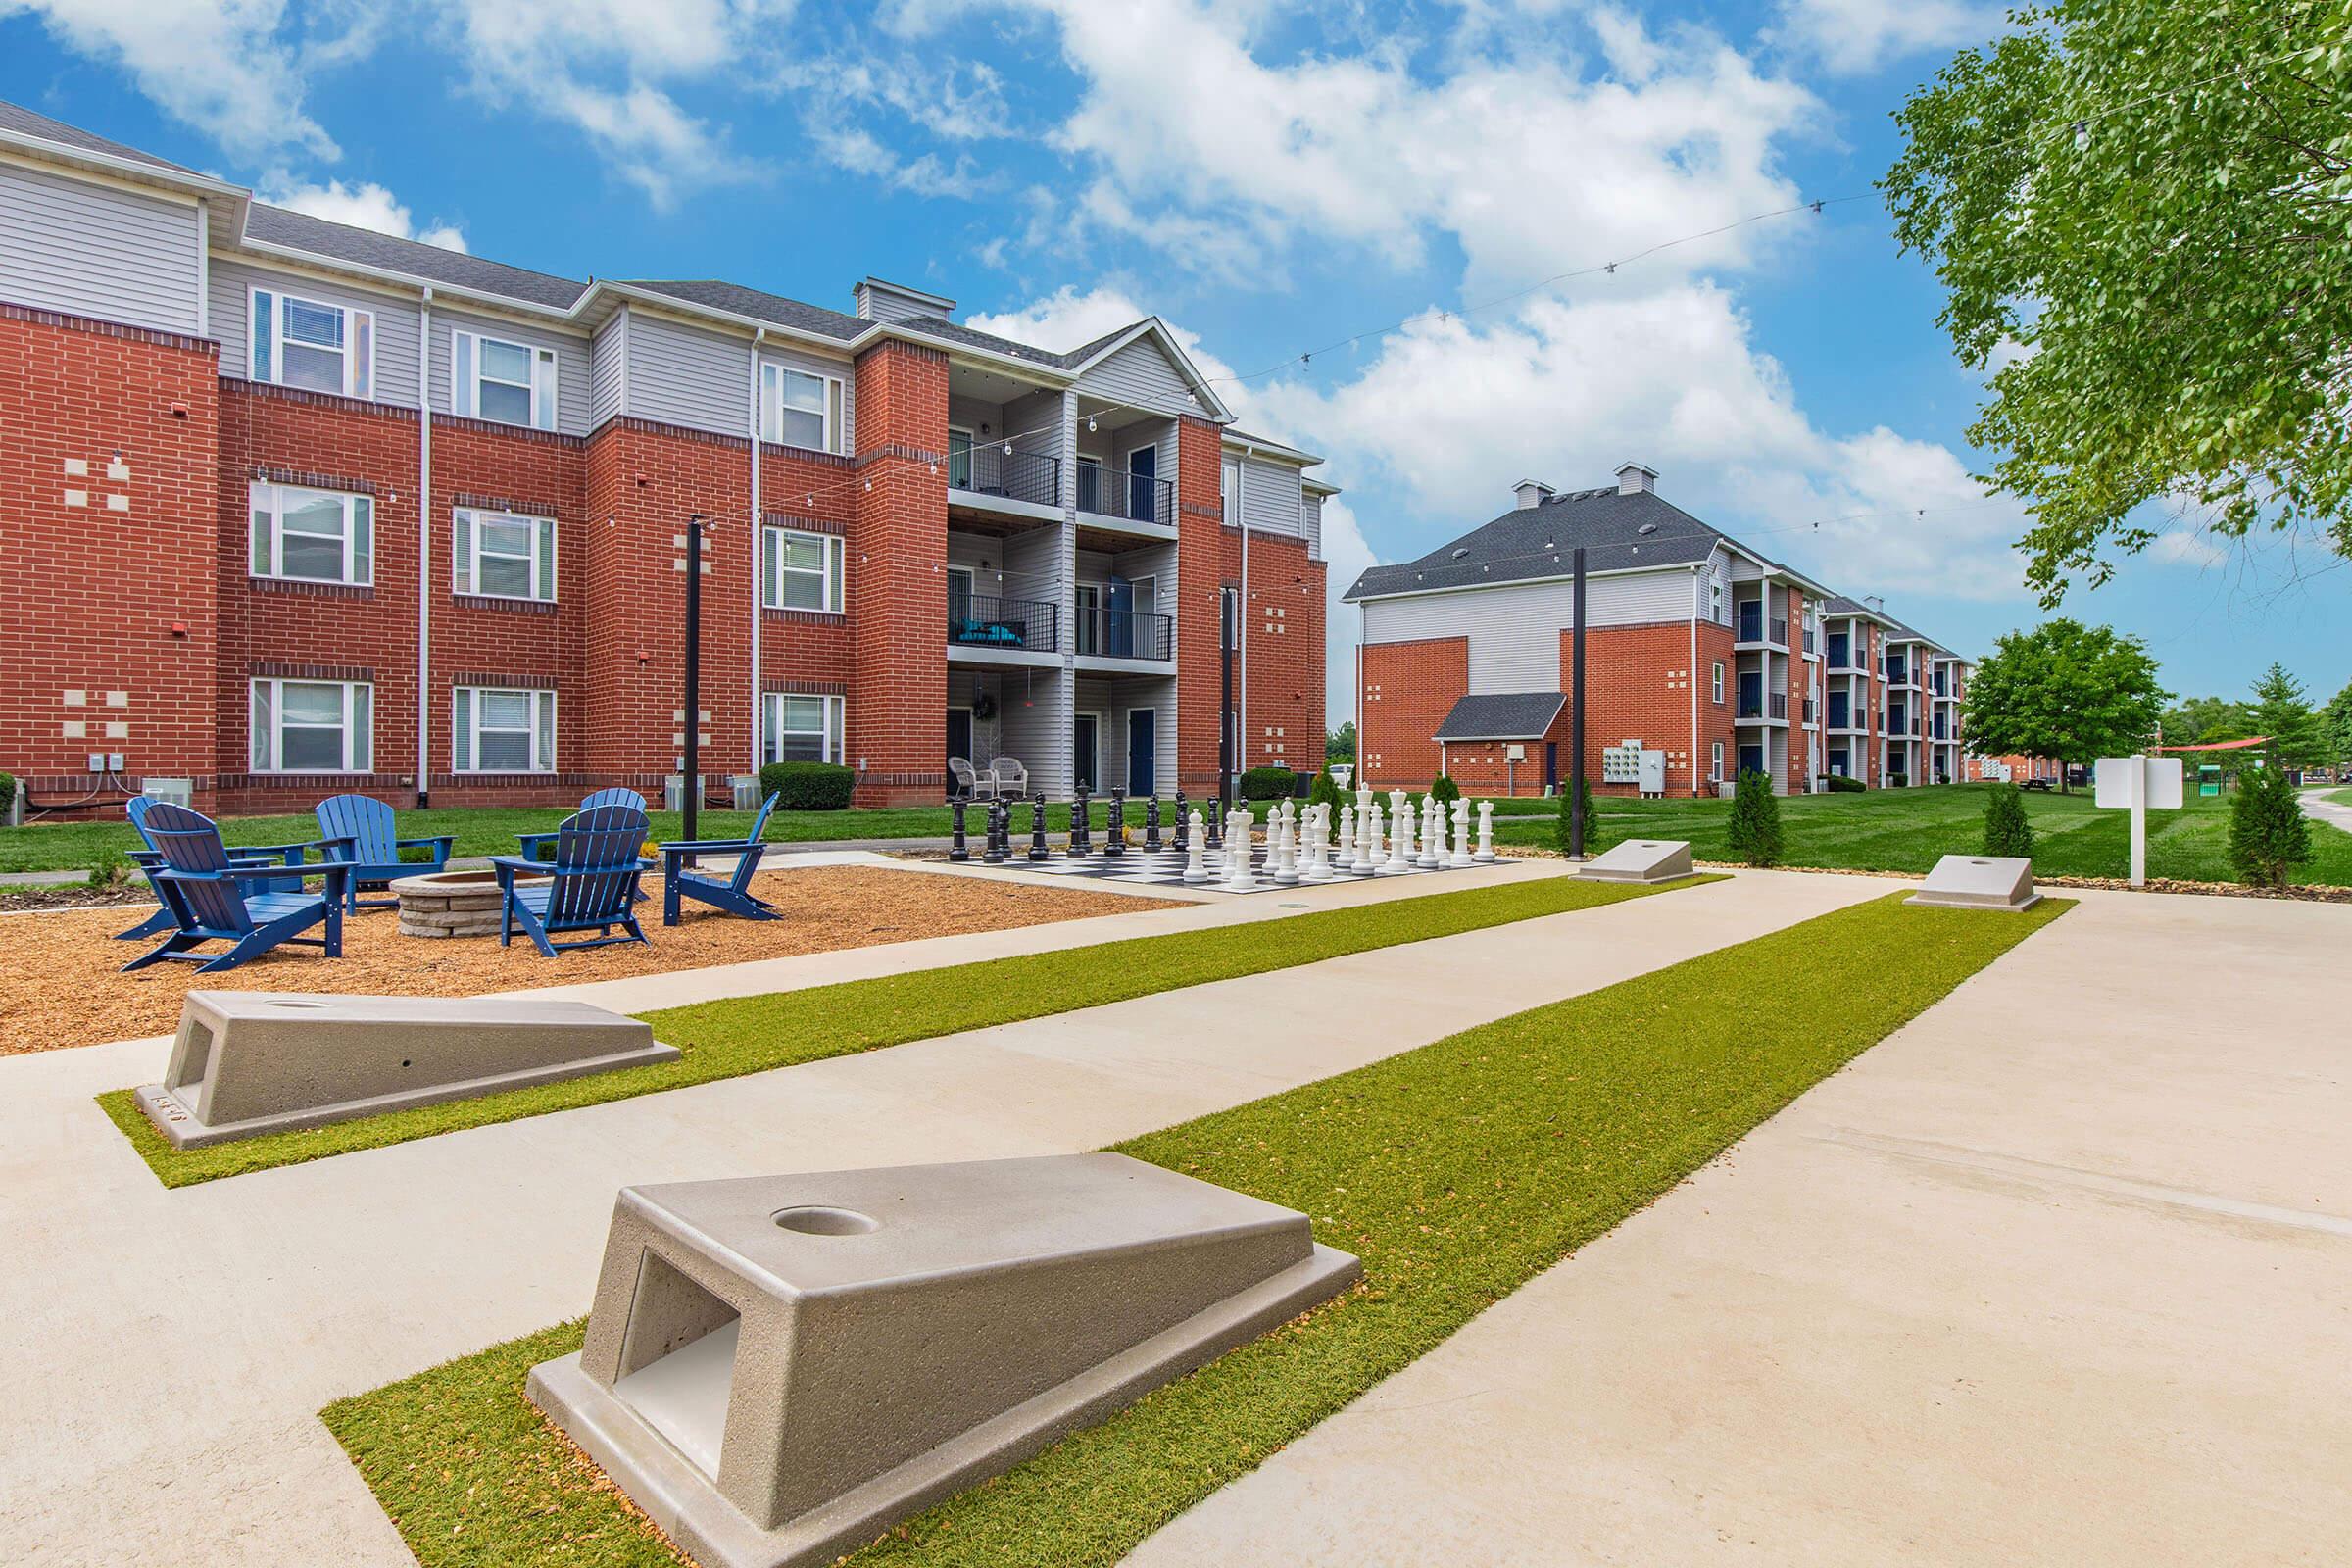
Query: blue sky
point(1270, 178)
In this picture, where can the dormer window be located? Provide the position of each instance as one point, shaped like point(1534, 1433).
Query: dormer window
point(312, 345)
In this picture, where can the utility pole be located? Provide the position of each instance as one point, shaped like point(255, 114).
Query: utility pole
point(1575, 713)
point(691, 791)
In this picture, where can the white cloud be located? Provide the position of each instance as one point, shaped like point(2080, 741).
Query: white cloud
point(233, 69)
point(1852, 37)
point(2182, 548)
point(366, 206)
point(1070, 316)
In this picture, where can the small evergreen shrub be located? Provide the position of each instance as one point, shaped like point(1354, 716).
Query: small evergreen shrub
point(1755, 824)
point(1594, 839)
point(2007, 833)
point(1895, 781)
point(1843, 784)
point(1444, 791)
point(2268, 834)
point(1269, 784)
point(1326, 790)
point(807, 786)
point(8, 791)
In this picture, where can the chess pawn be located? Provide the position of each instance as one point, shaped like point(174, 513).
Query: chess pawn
point(1461, 861)
point(1344, 858)
point(1196, 861)
point(1426, 855)
point(1486, 833)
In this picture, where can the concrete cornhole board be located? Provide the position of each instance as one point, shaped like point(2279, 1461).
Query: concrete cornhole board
point(1639, 860)
point(247, 1062)
point(778, 1368)
point(1978, 882)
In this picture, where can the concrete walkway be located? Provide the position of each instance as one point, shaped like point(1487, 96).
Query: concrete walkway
point(2319, 807)
point(167, 1350)
point(2061, 1273)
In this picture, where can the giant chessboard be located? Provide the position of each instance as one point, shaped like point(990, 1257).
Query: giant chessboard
point(1165, 868)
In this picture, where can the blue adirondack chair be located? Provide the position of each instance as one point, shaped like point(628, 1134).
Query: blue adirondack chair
point(591, 885)
point(206, 896)
point(533, 844)
point(681, 879)
point(149, 860)
point(359, 830)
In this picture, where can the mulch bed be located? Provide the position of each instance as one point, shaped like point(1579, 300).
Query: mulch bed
point(77, 895)
point(61, 987)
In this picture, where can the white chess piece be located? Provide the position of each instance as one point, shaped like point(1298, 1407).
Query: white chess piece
point(1318, 845)
point(1486, 833)
point(1238, 868)
point(1461, 861)
point(1195, 855)
point(1344, 857)
point(1367, 851)
point(1426, 855)
point(1283, 854)
point(1400, 838)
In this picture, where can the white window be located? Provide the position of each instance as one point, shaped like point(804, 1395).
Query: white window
point(495, 555)
point(800, 410)
point(510, 383)
point(313, 535)
point(312, 726)
point(324, 348)
point(800, 570)
point(1715, 601)
point(1715, 763)
point(1229, 484)
point(799, 729)
point(495, 731)
point(1718, 683)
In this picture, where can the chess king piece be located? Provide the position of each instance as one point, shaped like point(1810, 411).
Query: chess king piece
point(1400, 839)
point(1486, 833)
point(1195, 853)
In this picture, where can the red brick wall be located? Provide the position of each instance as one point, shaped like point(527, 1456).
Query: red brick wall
point(1406, 690)
point(801, 650)
point(1203, 571)
point(1283, 725)
point(896, 589)
point(99, 600)
point(1639, 682)
point(1485, 767)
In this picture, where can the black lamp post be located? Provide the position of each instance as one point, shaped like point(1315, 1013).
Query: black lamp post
point(690, 790)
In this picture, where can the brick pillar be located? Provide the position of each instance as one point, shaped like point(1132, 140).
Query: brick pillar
point(1203, 569)
point(896, 589)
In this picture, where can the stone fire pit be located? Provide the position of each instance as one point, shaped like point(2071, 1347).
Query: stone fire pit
point(450, 904)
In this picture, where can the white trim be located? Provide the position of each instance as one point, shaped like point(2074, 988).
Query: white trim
point(1203, 395)
point(832, 415)
point(1101, 722)
point(470, 733)
point(833, 738)
point(272, 760)
point(1129, 769)
point(357, 509)
point(357, 323)
point(203, 271)
point(541, 395)
point(833, 575)
point(465, 565)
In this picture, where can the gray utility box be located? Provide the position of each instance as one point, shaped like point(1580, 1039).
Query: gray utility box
point(1643, 861)
point(247, 1062)
point(1978, 882)
point(778, 1368)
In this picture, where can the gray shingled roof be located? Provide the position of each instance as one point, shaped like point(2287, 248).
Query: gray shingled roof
point(1530, 542)
point(280, 225)
point(24, 122)
point(758, 304)
point(1501, 716)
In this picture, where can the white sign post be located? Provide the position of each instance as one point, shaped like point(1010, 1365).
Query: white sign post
point(2137, 784)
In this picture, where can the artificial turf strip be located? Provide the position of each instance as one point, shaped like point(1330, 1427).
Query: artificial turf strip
point(752, 1034)
point(1456, 1171)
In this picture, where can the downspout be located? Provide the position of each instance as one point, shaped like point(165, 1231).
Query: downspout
point(1240, 635)
point(1695, 585)
point(425, 546)
point(759, 544)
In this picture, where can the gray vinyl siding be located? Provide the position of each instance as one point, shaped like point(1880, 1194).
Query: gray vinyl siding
point(397, 322)
point(1114, 697)
point(572, 361)
point(681, 375)
point(1034, 424)
point(1031, 724)
point(609, 369)
point(1140, 376)
point(1271, 494)
point(818, 364)
point(1310, 518)
point(97, 250)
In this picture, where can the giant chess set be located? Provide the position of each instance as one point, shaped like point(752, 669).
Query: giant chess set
point(1231, 852)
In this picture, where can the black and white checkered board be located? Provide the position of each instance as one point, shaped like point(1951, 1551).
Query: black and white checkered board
point(1165, 868)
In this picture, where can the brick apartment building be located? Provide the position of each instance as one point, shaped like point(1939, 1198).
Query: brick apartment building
point(1704, 658)
point(292, 508)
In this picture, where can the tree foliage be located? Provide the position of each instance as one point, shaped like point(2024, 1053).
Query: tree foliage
point(1755, 828)
point(2064, 690)
point(2268, 835)
point(1563, 831)
point(1340, 745)
point(2138, 212)
point(2335, 725)
point(2281, 711)
point(2201, 720)
point(2007, 833)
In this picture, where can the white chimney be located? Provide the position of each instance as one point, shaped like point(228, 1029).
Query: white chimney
point(1635, 477)
point(1530, 493)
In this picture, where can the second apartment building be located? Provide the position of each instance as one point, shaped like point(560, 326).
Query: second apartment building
point(297, 507)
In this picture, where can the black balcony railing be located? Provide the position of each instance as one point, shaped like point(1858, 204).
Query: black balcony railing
point(1763, 705)
point(1753, 626)
point(1126, 634)
point(1117, 493)
point(991, 470)
point(985, 620)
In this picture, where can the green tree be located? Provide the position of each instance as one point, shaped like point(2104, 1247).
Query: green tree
point(2281, 711)
point(2335, 725)
point(1444, 790)
point(2197, 720)
point(2268, 835)
point(2064, 690)
point(2007, 833)
point(1755, 823)
point(1323, 792)
point(1340, 745)
point(1595, 838)
point(2137, 211)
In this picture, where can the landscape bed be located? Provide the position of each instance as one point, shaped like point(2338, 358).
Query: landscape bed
point(754, 1034)
point(1456, 1171)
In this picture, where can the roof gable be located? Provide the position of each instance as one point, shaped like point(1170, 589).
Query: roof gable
point(1151, 337)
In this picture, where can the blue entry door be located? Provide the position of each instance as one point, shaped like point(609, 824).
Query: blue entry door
point(1142, 725)
point(1143, 475)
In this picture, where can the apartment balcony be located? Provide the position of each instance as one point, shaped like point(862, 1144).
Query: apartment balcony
point(987, 629)
point(1755, 630)
point(1844, 660)
point(1013, 484)
point(1812, 640)
point(1140, 504)
point(1125, 640)
point(1763, 708)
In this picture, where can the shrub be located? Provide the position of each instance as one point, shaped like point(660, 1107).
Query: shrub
point(2006, 830)
point(1596, 840)
point(1444, 791)
point(2268, 835)
point(807, 786)
point(1755, 824)
point(1326, 790)
point(1841, 784)
point(8, 791)
point(1269, 784)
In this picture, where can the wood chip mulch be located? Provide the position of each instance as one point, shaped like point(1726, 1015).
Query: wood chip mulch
point(61, 986)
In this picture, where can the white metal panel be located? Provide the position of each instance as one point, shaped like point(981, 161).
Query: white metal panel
point(680, 375)
point(96, 250)
point(572, 361)
point(397, 322)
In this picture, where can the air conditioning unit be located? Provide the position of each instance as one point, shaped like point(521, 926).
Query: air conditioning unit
point(746, 791)
point(173, 791)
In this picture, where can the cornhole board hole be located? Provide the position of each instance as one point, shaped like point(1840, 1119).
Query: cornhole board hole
point(1639, 860)
point(1978, 882)
point(777, 1368)
point(247, 1062)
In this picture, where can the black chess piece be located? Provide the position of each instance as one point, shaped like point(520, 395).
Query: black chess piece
point(999, 813)
point(1036, 828)
point(1183, 826)
point(1082, 809)
point(1151, 826)
point(1115, 840)
point(957, 851)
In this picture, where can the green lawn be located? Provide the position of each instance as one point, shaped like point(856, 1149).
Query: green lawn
point(752, 1034)
point(82, 845)
point(1456, 1172)
point(1906, 830)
